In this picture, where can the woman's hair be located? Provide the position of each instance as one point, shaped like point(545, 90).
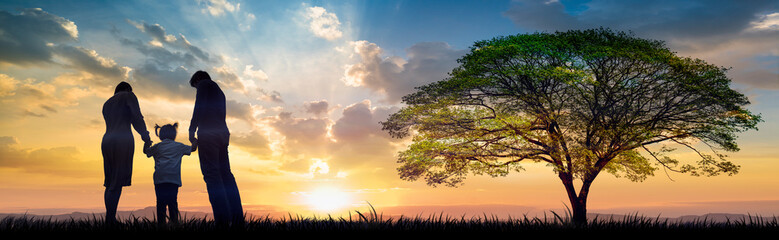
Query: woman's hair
point(198, 76)
point(168, 131)
point(123, 87)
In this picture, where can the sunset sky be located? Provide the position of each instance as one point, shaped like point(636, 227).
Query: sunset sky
point(307, 83)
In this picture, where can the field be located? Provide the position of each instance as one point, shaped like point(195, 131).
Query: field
point(376, 223)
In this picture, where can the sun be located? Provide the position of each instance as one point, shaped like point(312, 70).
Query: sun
point(327, 199)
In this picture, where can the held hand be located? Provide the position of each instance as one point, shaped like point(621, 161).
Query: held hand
point(146, 146)
point(194, 146)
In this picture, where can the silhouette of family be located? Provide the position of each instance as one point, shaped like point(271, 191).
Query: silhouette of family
point(208, 134)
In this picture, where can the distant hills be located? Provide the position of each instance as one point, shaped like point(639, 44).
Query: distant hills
point(424, 212)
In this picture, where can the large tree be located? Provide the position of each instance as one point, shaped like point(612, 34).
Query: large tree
point(583, 102)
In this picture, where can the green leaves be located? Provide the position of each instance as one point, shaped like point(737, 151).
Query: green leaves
point(583, 101)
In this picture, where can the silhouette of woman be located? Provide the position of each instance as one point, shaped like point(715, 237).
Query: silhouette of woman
point(120, 111)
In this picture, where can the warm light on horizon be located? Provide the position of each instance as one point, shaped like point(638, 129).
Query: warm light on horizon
point(327, 199)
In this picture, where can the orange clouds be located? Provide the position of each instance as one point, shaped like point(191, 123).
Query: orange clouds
point(59, 161)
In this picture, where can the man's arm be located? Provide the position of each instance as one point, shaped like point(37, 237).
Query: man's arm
point(136, 118)
point(193, 124)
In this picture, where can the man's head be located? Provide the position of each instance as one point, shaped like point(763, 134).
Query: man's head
point(197, 77)
point(123, 87)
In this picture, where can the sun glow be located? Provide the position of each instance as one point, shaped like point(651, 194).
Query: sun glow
point(327, 199)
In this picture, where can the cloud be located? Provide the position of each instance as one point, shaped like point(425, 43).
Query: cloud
point(27, 38)
point(38, 38)
point(394, 76)
point(541, 15)
point(89, 61)
point(152, 82)
point(246, 25)
point(60, 161)
point(167, 67)
point(323, 24)
point(654, 18)
point(254, 142)
point(359, 138)
point(734, 34)
point(32, 98)
point(49, 108)
point(302, 135)
point(257, 75)
point(228, 79)
point(768, 22)
point(240, 111)
point(318, 108)
point(360, 121)
point(29, 113)
point(161, 38)
point(270, 96)
point(159, 55)
point(353, 139)
point(95, 84)
point(8, 85)
point(218, 7)
point(156, 31)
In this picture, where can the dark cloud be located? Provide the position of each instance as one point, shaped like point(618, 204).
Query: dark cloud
point(167, 59)
point(318, 108)
point(61, 161)
point(158, 55)
point(152, 81)
point(36, 37)
point(395, 77)
point(164, 73)
point(27, 38)
point(158, 34)
point(89, 61)
point(664, 19)
point(722, 32)
point(539, 15)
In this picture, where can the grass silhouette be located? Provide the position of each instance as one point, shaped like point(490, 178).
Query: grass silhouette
point(375, 222)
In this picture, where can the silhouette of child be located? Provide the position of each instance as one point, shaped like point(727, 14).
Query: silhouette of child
point(167, 169)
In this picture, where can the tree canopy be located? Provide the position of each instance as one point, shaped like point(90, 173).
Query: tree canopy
point(582, 101)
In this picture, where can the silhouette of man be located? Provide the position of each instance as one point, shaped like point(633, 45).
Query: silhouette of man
point(208, 119)
point(120, 111)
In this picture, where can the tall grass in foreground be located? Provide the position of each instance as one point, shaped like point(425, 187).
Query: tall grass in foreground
point(373, 222)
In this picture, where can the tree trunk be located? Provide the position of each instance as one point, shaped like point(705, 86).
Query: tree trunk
point(578, 202)
point(579, 207)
